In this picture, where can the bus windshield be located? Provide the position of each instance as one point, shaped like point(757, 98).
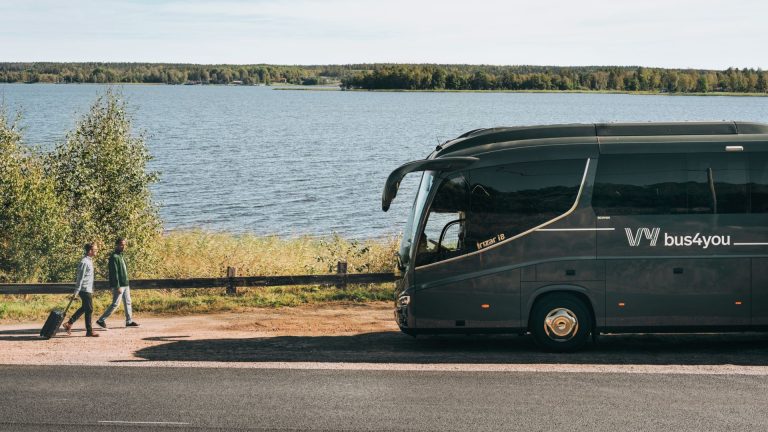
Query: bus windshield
point(409, 234)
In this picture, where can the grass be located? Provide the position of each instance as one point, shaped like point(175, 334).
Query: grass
point(185, 302)
point(194, 301)
point(189, 254)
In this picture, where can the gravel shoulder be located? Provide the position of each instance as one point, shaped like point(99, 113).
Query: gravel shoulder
point(365, 337)
point(20, 344)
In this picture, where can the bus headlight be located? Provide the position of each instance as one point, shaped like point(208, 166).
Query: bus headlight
point(403, 301)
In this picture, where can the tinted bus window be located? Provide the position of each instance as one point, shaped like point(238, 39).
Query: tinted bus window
point(640, 184)
point(758, 182)
point(510, 199)
point(662, 184)
point(726, 174)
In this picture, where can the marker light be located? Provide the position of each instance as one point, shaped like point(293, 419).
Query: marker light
point(485, 306)
point(738, 303)
point(621, 304)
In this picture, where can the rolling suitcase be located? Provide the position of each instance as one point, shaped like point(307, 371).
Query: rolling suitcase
point(54, 321)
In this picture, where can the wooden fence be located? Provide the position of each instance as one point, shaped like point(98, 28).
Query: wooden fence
point(231, 282)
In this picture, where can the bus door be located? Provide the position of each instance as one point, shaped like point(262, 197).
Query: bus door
point(667, 227)
point(443, 269)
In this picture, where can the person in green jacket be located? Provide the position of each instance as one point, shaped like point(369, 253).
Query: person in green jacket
point(118, 283)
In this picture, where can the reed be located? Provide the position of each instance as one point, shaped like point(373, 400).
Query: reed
point(197, 253)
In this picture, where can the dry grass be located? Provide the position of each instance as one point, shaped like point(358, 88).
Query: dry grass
point(186, 254)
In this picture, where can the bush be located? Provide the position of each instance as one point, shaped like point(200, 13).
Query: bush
point(101, 175)
point(33, 230)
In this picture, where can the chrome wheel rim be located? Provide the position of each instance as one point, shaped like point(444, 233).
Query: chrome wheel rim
point(561, 324)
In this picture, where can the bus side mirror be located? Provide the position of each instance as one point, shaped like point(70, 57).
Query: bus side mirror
point(400, 262)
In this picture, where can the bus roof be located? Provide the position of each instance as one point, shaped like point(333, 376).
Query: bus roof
point(469, 148)
point(514, 135)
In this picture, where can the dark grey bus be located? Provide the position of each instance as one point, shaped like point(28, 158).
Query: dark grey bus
point(567, 231)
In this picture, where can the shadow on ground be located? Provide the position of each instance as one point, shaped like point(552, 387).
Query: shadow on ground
point(32, 334)
point(22, 332)
point(393, 347)
point(20, 335)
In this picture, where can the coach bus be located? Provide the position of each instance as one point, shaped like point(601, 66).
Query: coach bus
point(567, 231)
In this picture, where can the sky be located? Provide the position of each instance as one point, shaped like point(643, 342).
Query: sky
point(700, 34)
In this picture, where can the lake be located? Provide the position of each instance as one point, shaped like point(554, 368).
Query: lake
point(254, 159)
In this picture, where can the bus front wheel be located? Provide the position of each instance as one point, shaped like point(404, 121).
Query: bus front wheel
point(560, 323)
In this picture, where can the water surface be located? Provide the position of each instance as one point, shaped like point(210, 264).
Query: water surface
point(252, 159)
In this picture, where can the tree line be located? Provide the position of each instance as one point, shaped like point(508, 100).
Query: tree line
point(624, 79)
point(158, 73)
point(402, 76)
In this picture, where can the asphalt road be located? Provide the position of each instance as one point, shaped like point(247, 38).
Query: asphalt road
point(62, 398)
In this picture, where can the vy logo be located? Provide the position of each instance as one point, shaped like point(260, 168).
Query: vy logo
point(634, 238)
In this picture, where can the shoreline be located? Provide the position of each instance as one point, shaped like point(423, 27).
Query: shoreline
point(289, 87)
point(631, 93)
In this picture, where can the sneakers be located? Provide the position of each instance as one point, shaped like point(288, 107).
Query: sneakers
point(68, 328)
point(91, 335)
point(103, 324)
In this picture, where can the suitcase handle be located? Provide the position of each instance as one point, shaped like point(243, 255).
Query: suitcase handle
point(71, 299)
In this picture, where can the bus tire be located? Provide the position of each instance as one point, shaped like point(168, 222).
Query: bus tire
point(560, 323)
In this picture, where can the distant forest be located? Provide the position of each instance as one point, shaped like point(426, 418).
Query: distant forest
point(161, 73)
point(401, 76)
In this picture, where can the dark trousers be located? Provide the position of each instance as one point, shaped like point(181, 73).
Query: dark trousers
point(86, 308)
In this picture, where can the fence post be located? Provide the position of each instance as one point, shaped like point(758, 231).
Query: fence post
point(341, 269)
point(231, 288)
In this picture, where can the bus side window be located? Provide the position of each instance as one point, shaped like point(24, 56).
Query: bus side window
point(641, 185)
point(507, 200)
point(722, 178)
point(758, 183)
point(670, 184)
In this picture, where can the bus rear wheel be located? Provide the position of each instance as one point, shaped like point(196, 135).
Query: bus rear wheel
point(560, 323)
